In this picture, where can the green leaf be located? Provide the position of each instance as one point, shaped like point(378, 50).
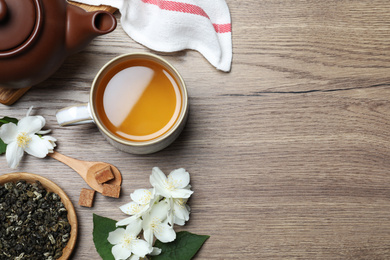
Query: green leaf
point(3, 147)
point(7, 119)
point(184, 247)
point(101, 228)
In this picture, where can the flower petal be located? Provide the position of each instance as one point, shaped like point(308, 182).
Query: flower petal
point(181, 193)
point(141, 196)
point(8, 132)
point(158, 179)
point(44, 132)
point(160, 210)
point(50, 142)
point(180, 177)
point(178, 221)
point(13, 154)
point(141, 248)
point(181, 211)
point(156, 251)
point(37, 147)
point(134, 227)
point(120, 252)
point(130, 208)
point(31, 124)
point(148, 235)
point(126, 221)
point(115, 237)
point(166, 233)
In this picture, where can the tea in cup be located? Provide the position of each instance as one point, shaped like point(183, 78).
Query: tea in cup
point(138, 101)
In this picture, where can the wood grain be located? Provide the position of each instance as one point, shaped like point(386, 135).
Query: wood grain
point(9, 96)
point(288, 153)
point(91, 8)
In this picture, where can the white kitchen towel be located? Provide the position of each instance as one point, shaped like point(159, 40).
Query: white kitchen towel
point(169, 26)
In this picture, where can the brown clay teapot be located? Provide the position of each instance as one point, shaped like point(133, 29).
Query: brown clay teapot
point(37, 35)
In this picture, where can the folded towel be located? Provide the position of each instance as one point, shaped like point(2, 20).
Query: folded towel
point(169, 26)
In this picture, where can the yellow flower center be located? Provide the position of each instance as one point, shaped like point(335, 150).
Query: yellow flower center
point(181, 202)
point(155, 225)
point(171, 183)
point(147, 196)
point(23, 140)
point(127, 240)
point(134, 209)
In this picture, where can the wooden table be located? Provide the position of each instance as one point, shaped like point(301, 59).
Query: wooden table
point(289, 153)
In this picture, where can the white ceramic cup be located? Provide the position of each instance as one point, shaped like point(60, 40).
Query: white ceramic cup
point(87, 113)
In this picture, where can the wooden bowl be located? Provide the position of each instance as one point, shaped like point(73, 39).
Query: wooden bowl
point(52, 187)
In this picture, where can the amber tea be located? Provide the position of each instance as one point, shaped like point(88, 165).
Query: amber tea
point(138, 100)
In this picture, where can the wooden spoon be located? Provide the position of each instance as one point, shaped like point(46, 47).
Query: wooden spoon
point(88, 169)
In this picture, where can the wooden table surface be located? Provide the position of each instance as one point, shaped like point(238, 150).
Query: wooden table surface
point(289, 153)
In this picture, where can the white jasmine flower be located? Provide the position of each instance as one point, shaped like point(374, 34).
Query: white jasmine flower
point(180, 211)
point(143, 200)
point(127, 244)
point(156, 223)
point(176, 185)
point(22, 137)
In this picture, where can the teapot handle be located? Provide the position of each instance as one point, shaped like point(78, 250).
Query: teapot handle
point(74, 115)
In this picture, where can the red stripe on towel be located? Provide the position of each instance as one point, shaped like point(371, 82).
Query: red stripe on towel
point(190, 9)
point(222, 28)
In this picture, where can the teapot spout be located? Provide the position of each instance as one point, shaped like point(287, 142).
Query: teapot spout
point(83, 27)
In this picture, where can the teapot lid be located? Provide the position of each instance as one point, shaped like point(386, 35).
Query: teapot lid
point(20, 23)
